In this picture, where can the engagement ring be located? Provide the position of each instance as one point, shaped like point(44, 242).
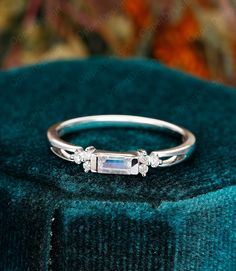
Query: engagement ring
point(110, 162)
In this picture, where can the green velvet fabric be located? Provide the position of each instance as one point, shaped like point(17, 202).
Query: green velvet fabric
point(53, 216)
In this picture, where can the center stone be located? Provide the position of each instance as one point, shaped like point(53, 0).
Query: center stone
point(114, 163)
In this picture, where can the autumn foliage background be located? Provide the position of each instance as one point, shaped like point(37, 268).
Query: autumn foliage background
point(196, 36)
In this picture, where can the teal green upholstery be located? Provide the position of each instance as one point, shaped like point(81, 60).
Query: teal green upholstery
point(53, 216)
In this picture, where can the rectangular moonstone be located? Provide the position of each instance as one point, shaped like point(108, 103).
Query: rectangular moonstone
point(114, 163)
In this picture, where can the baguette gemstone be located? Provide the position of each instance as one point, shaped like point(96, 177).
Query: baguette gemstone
point(113, 163)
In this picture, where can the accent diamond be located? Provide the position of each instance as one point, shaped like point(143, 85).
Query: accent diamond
point(82, 156)
point(78, 156)
point(143, 157)
point(87, 153)
point(154, 160)
point(87, 166)
point(143, 169)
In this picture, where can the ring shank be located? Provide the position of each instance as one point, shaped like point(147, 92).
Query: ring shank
point(174, 155)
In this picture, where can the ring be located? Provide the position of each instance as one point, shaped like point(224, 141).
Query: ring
point(110, 162)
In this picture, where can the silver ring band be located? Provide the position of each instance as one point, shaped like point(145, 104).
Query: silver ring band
point(109, 162)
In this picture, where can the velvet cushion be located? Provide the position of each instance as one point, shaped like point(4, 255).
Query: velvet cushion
point(53, 216)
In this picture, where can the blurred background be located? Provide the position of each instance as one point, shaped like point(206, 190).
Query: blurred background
point(195, 36)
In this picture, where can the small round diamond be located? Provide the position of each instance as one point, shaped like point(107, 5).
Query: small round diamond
point(87, 154)
point(87, 166)
point(143, 157)
point(143, 169)
point(154, 160)
point(78, 156)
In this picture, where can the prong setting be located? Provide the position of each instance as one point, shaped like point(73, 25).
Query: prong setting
point(87, 166)
point(154, 160)
point(146, 160)
point(78, 156)
point(83, 156)
point(115, 163)
point(143, 169)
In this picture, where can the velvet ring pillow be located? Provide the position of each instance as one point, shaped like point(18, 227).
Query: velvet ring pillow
point(53, 216)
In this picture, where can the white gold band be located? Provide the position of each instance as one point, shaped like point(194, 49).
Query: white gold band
point(128, 163)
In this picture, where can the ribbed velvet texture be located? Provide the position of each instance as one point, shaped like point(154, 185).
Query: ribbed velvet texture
point(53, 216)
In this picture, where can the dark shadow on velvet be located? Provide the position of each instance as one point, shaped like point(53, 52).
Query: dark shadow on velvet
point(113, 243)
point(56, 244)
point(16, 221)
